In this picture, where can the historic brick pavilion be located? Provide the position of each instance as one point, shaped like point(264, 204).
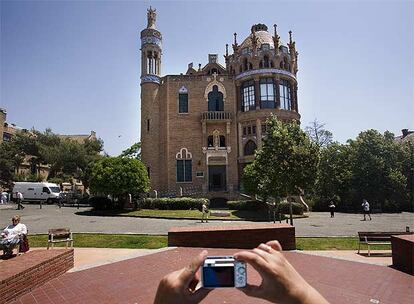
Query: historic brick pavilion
point(199, 129)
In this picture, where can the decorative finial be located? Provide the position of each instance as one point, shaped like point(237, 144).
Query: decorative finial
point(151, 16)
point(290, 36)
point(235, 38)
point(275, 26)
point(227, 49)
point(199, 66)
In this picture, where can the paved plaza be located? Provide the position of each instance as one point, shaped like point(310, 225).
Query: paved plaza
point(135, 281)
point(317, 224)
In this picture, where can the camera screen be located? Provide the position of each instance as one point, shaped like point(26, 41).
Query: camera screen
point(218, 276)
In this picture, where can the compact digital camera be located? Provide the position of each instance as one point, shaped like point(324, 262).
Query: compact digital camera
point(223, 271)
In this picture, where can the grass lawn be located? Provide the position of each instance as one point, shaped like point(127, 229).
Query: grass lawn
point(107, 241)
point(195, 214)
point(154, 242)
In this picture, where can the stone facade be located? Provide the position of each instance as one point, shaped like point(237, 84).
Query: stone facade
point(199, 129)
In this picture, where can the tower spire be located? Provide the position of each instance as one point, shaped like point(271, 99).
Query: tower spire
point(235, 45)
point(276, 38)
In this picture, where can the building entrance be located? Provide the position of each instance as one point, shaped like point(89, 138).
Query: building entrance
point(217, 178)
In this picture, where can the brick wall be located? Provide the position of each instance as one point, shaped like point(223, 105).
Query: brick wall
point(243, 236)
point(22, 274)
point(403, 253)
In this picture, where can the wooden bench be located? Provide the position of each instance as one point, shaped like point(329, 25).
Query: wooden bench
point(60, 235)
point(376, 238)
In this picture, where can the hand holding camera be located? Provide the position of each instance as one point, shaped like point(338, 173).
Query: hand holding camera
point(281, 283)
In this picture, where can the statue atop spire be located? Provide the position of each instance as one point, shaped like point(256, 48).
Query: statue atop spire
point(152, 16)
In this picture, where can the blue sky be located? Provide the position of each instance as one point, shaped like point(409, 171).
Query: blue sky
point(74, 66)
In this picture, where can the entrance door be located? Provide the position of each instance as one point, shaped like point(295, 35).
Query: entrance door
point(217, 178)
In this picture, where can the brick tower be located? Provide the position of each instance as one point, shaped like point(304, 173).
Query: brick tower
point(151, 51)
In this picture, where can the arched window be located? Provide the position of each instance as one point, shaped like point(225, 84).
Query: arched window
point(245, 64)
point(215, 100)
point(249, 148)
point(250, 66)
point(267, 93)
point(266, 61)
point(184, 166)
point(260, 64)
point(285, 95)
point(248, 96)
point(272, 65)
point(240, 69)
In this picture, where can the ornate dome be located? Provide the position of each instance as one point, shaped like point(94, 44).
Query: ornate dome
point(263, 37)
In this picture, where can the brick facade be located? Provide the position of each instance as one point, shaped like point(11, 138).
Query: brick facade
point(199, 133)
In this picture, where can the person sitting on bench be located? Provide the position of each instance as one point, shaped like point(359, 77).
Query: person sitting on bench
point(11, 236)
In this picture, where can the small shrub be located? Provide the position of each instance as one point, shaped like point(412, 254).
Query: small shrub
point(179, 203)
point(246, 205)
point(297, 208)
point(101, 203)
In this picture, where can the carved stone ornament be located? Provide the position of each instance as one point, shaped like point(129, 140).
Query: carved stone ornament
point(220, 86)
point(183, 154)
point(151, 16)
point(183, 90)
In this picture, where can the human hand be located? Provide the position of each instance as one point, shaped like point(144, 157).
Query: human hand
point(280, 281)
point(180, 286)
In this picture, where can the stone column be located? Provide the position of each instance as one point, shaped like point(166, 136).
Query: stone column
point(240, 140)
point(296, 98)
point(259, 133)
point(277, 92)
point(257, 92)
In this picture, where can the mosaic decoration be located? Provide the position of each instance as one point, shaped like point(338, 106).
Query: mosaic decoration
point(261, 71)
point(151, 40)
point(150, 78)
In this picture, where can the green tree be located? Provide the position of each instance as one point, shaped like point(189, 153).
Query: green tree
point(133, 152)
point(377, 170)
point(119, 176)
point(286, 165)
point(334, 175)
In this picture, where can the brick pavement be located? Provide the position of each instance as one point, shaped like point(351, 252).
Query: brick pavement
point(318, 223)
point(135, 281)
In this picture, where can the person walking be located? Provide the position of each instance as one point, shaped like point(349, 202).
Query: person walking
point(332, 208)
point(19, 199)
point(204, 210)
point(365, 207)
point(3, 198)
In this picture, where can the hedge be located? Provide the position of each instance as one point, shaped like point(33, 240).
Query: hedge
point(297, 208)
point(179, 203)
point(246, 205)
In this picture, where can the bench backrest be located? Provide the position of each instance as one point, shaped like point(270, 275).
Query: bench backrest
point(379, 236)
point(59, 233)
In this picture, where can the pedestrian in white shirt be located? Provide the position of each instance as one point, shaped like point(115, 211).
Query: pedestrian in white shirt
point(19, 197)
point(11, 235)
point(365, 207)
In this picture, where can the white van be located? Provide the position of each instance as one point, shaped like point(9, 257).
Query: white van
point(42, 191)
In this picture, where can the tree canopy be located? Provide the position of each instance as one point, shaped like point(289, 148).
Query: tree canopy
point(119, 176)
point(285, 165)
point(66, 158)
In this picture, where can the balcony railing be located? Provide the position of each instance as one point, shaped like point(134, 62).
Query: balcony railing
point(216, 116)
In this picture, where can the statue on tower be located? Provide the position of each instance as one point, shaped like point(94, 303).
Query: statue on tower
point(152, 16)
